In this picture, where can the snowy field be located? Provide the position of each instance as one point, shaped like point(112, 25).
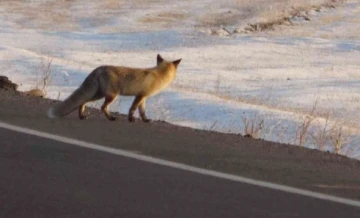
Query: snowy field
point(298, 82)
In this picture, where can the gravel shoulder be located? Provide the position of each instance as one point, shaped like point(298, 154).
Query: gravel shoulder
point(284, 164)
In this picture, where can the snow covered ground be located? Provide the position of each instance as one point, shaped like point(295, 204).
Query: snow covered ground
point(279, 81)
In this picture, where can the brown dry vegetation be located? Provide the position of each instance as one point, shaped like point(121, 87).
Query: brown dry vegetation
point(280, 12)
point(274, 11)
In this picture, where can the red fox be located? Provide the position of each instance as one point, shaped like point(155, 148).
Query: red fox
point(110, 81)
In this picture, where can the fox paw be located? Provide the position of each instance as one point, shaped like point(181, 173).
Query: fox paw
point(131, 119)
point(83, 117)
point(146, 120)
point(113, 118)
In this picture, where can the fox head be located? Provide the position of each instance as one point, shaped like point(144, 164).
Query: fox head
point(160, 61)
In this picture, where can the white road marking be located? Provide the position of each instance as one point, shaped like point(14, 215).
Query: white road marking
point(181, 166)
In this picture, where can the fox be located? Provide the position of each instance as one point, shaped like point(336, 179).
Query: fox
point(109, 81)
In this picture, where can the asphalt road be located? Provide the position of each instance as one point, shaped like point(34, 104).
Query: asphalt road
point(230, 153)
point(46, 178)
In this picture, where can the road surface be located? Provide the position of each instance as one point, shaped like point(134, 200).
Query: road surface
point(46, 178)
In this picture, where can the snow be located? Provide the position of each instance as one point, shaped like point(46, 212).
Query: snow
point(275, 77)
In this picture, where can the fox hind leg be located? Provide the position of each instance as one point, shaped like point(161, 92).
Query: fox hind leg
point(81, 112)
point(105, 107)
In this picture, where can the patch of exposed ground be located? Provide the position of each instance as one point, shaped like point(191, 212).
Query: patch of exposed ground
point(286, 16)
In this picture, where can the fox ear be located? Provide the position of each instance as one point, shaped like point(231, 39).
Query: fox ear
point(159, 59)
point(177, 62)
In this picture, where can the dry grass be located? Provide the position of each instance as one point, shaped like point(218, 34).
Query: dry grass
point(326, 134)
point(318, 128)
point(303, 130)
point(44, 76)
point(320, 135)
point(331, 133)
point(337, 136)
point(253, 126)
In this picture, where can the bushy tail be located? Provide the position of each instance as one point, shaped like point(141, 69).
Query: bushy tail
point(80, 96)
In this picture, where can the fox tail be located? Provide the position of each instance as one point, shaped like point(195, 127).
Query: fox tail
point(80, 96)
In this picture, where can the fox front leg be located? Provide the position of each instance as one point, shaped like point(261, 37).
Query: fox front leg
point(142, 112)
